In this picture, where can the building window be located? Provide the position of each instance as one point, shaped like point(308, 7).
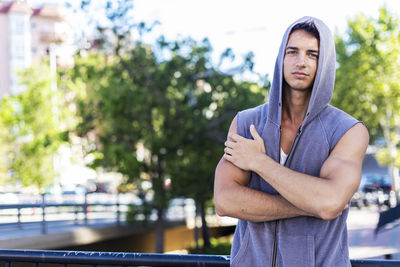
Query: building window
point(19, 51)
point(19, 27)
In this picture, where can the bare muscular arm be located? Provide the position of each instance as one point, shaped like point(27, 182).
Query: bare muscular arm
point(324, 198)
point(233, 198)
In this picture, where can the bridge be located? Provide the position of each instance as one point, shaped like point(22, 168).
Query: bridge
point(84, 222)
point(47, 223)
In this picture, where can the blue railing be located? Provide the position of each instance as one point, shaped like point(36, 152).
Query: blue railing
point(81, 210)
point(136, 259)
point(76, 209)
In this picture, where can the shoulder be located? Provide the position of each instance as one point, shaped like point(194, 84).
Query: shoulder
point(356, 136)
point(353, 144)
point(334, 116)
point(336, 123)
point(257, 116)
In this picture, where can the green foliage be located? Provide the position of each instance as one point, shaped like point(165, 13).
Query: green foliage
point(159, 118)
point(156, 113)
point(7, 120)
point(139, 214)
point(215, 101)
point(154, 118)
point(219, 246)
point(368, 77)
point(31, 130)
point(384, 157)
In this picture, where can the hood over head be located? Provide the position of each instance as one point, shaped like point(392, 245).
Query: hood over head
point(324, 79)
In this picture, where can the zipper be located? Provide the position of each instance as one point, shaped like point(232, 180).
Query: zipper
point(286, 163)
point(276, 222)
point(296, 138)
point(275, 244)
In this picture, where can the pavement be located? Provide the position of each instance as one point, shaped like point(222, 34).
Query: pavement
point(363, 242)
point(13, 230)
point(60, 234)
point(68, 234)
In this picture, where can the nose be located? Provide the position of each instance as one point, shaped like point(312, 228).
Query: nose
point(300, 60)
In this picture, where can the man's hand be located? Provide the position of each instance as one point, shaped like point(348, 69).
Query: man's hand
point(242, 151)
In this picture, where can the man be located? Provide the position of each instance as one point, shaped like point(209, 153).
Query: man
point(292, 165)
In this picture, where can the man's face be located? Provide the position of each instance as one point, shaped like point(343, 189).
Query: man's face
point(301, 60)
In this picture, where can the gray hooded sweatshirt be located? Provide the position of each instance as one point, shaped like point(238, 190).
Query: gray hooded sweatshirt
point(300, 241)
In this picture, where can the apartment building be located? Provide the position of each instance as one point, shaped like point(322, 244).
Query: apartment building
point(29, 34)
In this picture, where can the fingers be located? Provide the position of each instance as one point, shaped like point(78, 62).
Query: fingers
point(228, 150)
point(345, 208)
point(235, 137)
point(254, 132)
point(228, 157)
point(229, 144)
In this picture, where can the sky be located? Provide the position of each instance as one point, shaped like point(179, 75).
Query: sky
point(249, 25)
point(242, 25)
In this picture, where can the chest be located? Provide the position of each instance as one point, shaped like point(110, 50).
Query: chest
point(288, 134)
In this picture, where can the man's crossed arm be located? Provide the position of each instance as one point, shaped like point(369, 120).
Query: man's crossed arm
point(300, 194)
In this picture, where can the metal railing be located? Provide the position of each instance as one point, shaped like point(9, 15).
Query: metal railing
point(136, 259)
point(86, 209)
point(76, 210)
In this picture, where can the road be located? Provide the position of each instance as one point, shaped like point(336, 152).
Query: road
point(362, 239)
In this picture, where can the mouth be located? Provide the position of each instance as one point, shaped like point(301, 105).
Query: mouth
point(299, 74)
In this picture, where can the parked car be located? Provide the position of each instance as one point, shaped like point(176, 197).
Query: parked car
point(358, 199)
point(378, 189)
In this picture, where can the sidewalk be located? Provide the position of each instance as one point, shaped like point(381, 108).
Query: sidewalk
point(362, 240)
point(59, 234)
point(67, 234)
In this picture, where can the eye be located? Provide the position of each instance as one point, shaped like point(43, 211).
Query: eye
point(313, 55)
point(291, 52)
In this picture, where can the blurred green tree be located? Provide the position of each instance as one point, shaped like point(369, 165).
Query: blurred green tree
point(215, 97)
point(368, 81)
point(32, 129)
point(162, 120)
point(157, 114)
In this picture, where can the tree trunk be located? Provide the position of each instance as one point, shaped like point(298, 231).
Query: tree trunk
point(391, 146)
point(160, 199)
point(160, 231)
point(196, 236)
point(196, 228)
point(204, 227)
point(394, 172)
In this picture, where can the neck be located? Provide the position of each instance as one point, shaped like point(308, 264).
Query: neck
point(295, 104)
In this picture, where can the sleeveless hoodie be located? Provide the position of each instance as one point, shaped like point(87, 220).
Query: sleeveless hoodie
point(300, 241)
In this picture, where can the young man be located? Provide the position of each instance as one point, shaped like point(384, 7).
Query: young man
point(292, 165)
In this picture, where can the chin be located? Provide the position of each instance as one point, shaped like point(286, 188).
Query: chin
point(297, 85)
point(301, 87)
